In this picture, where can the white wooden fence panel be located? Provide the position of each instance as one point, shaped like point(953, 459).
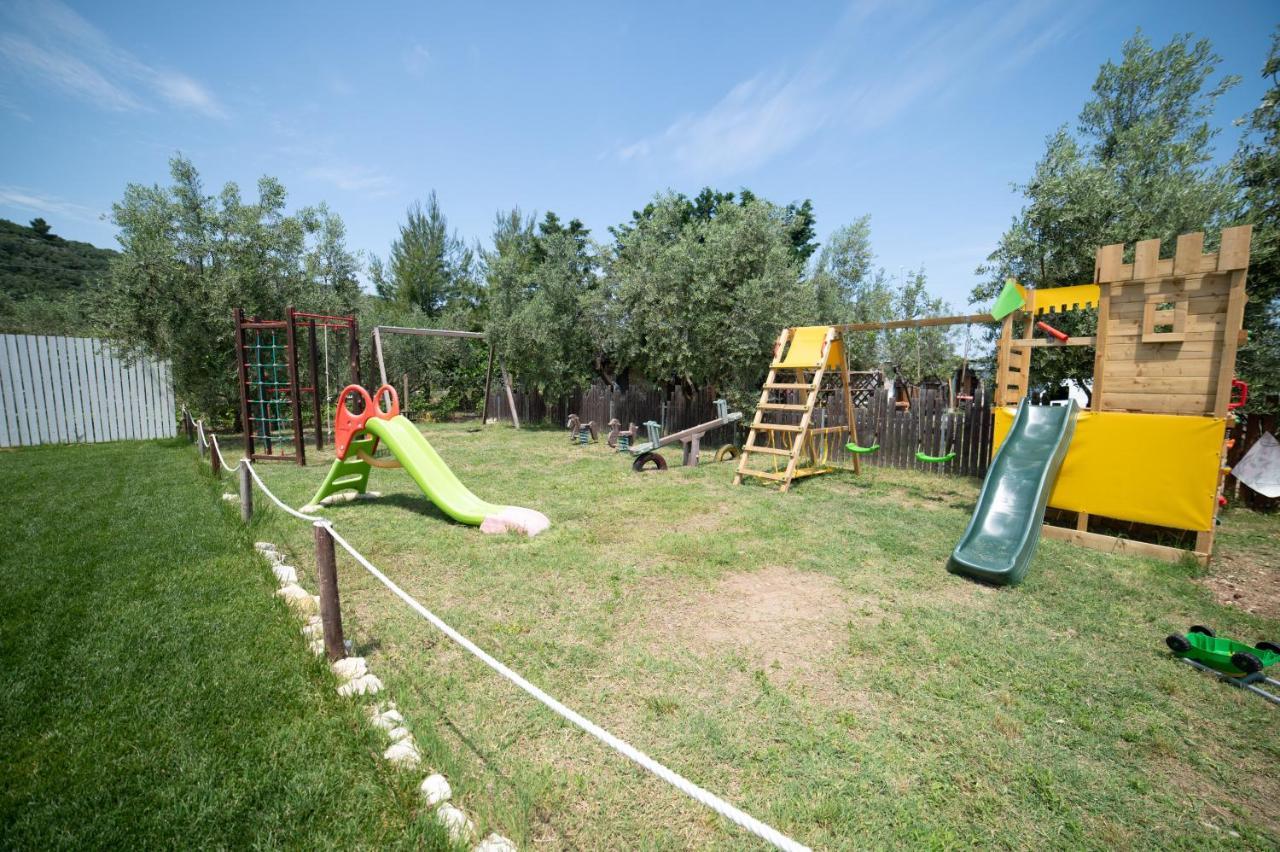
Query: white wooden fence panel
point(6, 404)
point(15, 407)
point(78, 402)
point(111, 386)
point(59, 410)
point(77, 394)
point(59, 390)
point(36, 392)
point(93, 400)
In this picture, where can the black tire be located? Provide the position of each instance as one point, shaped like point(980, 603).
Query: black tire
point(726, 452)
point(1177, 643)
point(1201, 629)
point(1268, 646)
point(649, 461)
point(1246, 662)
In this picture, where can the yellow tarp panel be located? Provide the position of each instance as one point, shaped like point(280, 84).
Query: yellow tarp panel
point(805, 349)
point(1152, 468)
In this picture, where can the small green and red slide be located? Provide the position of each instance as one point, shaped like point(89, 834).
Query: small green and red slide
point(356, 437)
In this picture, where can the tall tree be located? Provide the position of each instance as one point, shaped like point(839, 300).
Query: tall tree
point(697, 300)
point(543, 290)
point(429, 268)
point(918, 353)
point(1259, 169)
point(188, 258)
point(847, 289)
point(1137, 167)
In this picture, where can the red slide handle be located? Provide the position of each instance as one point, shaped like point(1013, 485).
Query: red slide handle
point(1050, 330)
point(347, 423)
point(1243, 387)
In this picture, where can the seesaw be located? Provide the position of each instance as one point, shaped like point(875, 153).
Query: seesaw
point(647, 456)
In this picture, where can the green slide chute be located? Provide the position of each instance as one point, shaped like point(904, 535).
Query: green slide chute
point(1005, 530)
point(424, 465)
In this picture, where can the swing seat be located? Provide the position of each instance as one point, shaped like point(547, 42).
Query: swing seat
point(925, 457)
point(854, 448)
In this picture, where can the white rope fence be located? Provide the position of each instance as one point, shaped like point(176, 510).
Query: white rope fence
point(760, 829)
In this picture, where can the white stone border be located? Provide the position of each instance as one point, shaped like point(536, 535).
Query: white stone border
point(356, 680)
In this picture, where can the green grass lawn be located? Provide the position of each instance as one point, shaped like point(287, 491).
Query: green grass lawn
point(154, 693)
point(804, 655)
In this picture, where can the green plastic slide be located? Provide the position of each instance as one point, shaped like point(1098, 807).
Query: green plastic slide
point(421, 461)
point(1005, 530)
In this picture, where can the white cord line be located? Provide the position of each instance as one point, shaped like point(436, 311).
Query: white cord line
point(274, 499)
point(760, 829)
point(720, 806)
point(213, 444)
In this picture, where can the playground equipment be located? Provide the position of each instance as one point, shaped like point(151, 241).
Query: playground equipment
point(271, 383)
point(647, 456)
point(581, 433)
point(356, 439)
point(620, 439)
point(1150, 447)
point(1005, 529)
point(1236, 663)
point(379, 330)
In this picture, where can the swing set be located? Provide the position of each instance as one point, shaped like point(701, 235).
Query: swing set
point(947, 444)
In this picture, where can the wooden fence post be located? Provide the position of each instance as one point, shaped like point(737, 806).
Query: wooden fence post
point(330, 610)
point(214, 464)
point(246, 492)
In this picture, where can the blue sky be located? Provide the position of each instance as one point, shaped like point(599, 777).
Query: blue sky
point(919, 113)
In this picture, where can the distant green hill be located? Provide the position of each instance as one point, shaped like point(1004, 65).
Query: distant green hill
point(43, 279)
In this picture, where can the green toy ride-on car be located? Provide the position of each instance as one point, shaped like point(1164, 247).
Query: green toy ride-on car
point(1224, 655)
point(1235, 662)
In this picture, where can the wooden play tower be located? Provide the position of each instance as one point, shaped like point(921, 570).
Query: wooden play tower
point(1149, 449)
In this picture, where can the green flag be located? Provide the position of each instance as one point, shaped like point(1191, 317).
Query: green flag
point(1009, 300)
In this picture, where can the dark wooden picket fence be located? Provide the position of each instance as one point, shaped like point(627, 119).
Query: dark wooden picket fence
point(928, 426)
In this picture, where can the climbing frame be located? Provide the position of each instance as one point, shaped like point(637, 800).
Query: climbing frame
point(270, 378)
point(809, 364)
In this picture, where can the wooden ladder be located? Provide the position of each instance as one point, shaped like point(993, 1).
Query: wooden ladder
point(1011, 379)
point(760, 428)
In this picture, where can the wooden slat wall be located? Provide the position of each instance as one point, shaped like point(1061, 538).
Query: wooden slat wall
point(70, 390)
point(1174, 377)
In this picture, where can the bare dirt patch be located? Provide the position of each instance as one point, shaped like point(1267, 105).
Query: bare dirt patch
point(1250, 584)
point(778, 617)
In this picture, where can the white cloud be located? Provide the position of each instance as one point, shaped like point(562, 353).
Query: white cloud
point(358, 179)
point(416, 59)
point(774, 111)
point(51, 44)
point(67, 73)
point(27, 199)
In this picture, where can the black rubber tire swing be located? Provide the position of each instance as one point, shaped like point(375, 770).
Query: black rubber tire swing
point(647, 461)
